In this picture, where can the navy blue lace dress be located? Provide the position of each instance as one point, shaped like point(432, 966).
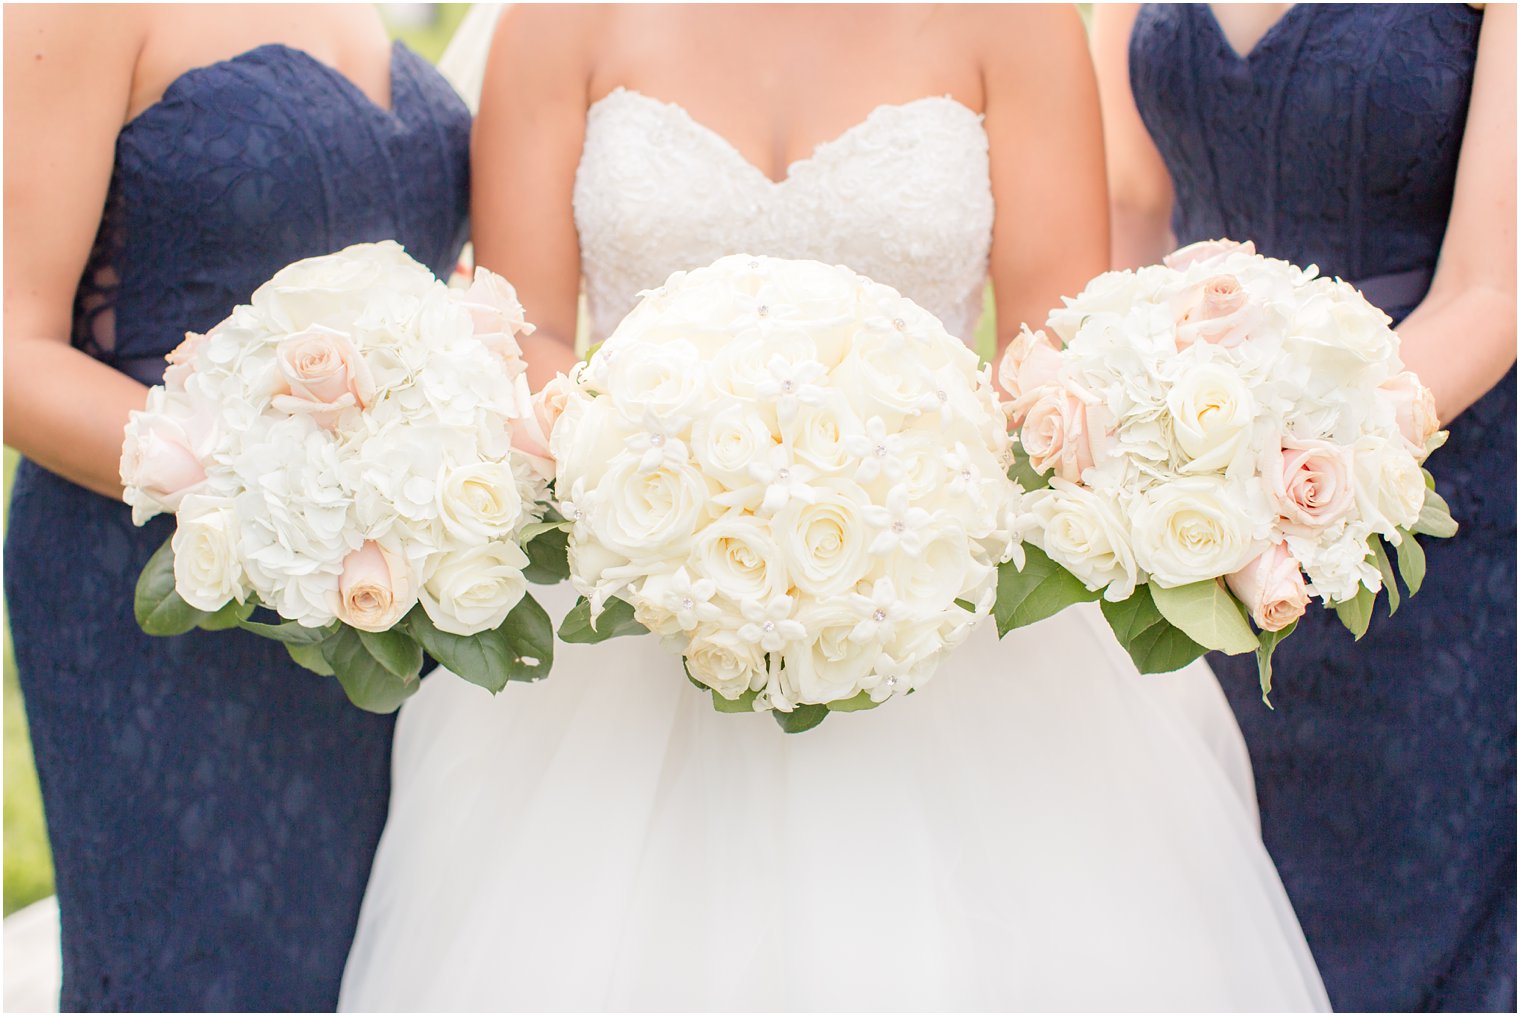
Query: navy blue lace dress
point(1387, 773)
point(212, 807)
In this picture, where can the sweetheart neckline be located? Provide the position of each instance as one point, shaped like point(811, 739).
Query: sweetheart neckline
point(189, 74)
point(819, 150)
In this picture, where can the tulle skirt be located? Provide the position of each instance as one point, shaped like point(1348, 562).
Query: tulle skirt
point(1039, 828)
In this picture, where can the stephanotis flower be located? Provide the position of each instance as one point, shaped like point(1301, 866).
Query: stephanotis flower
point(879, 451)
point(769, 624)
point(902, 526)
point(792, 384)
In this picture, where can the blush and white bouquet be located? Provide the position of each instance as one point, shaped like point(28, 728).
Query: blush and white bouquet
point(355, 450)
point(791, 474)
point(1210, 443)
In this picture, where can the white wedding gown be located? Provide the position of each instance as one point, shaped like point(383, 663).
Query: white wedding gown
point(1039, 828)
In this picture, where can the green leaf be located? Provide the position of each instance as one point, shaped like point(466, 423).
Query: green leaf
point(966, 605)
point(228, 617)
point(520, 649)
point(536, 529)
point(369, 685)
point(801, 718)
point(1435, 517)
point(1022, 473)
point(311, 658)
point(1385, 568)
point(854, 705)
point(1268, 644)
point(1411, 562)
point(1207, 614)
point(396, 651)
point(548, 555)
point(1041, 589)
point(743, 704)
point(159, 608)
point(617, 619)
point(1153, 642)
point(1356, 613)
point(290, 633)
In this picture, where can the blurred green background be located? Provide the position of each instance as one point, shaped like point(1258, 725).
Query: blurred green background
point(426, 28)
point(28, 876)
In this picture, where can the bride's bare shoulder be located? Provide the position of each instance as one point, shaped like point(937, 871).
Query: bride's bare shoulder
point(546, 45)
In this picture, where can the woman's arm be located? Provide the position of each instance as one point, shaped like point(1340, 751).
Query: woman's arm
point(1139, 187)
point(526, 148)
point(1461, 338)
point(68, 79)
point(1050, 235)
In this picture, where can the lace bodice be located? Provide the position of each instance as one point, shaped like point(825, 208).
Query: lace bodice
point(903, 197)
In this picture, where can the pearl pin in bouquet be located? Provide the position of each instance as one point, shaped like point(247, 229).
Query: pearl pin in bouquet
point(355, 451)
point(1208, 445)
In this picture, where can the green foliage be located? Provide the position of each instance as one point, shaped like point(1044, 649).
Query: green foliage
point(1356, 613)
point(160, 610)
point(1037, 591)
point(616, 619)
point(367, 681)
point(1411, 562)
point(520, 649)
point(1385, 568)
point(1206, 613)
point(1154, 643)
point(800, 718)
point(743, 704)
point(1268, 641)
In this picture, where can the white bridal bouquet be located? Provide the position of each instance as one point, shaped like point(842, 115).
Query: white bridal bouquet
point(356, 451)
point(1208, 444)
point(791, 474)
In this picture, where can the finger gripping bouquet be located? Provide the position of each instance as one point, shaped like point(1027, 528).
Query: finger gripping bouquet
point(341, 452)
point(792, 475)
point(1211, 443)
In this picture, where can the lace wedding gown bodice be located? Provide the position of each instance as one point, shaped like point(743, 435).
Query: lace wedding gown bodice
point(902, 197)
point(1039, 828)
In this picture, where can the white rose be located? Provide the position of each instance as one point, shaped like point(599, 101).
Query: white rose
point(726, 442)
point(1192, 529)
point(662, 382)
point(649, 515)
point(742, 366)
point(1212, 412)
point(479, 501)
point(884, 375)
point(338, 288)
point(1335, 329)
point(720, 659)
point(739, 555)
point(825, 541)
point(819, 434)
point(1085, 533)
point(471, 591)
point(831, 666)
point(940, 572)
point(1390, 488)
point(207, 570)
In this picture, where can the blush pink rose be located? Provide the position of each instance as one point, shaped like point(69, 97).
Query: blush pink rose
point(181, 361)
point(497, 314)
point(1203, 250)
point(1029, 365)
point(1212, 311)
point(532, 432)
point(1272, 588)
point(322, 373)
point(1415, 409)
point(375, 590)
point(1310, 483)
point(156, 460)
point(1055, 435)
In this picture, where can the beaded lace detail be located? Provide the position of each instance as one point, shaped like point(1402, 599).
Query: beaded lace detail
point(903, 197)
